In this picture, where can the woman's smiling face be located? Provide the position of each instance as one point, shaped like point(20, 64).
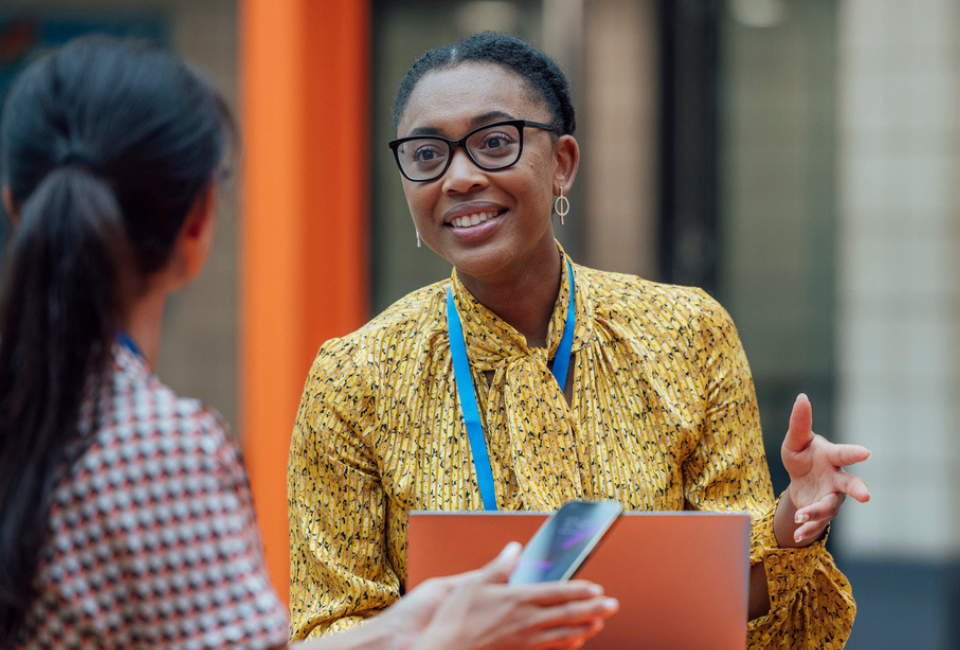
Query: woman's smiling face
point(512, 205)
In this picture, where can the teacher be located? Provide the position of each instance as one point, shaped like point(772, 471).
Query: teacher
point(526, 380)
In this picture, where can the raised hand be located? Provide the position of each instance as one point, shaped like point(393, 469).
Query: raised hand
point(818, 481)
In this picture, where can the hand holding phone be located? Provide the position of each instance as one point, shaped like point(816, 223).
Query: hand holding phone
point(565, 541)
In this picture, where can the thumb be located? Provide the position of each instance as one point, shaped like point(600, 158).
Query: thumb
point(499, 569)
point(800, 433)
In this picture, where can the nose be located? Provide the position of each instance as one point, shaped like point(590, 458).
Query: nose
point(463, 175)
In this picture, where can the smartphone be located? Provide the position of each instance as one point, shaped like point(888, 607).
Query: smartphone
point(565, 541)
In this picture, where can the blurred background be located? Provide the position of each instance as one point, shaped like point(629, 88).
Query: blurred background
point(798, 159)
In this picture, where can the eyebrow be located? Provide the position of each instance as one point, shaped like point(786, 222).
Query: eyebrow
point(478, 120)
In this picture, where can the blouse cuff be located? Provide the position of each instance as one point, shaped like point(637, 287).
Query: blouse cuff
point(787, 569)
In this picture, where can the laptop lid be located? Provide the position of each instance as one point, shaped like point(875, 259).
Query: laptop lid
point(682, 578)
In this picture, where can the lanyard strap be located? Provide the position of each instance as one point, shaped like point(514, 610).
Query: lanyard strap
point(126, 341)
point(468, 398)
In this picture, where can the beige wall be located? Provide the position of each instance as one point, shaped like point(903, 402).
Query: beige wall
point(199, 353)
point(620, 113)
point(899, 299)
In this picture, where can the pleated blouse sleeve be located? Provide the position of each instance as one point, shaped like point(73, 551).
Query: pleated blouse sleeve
point(339, 573)
point(811, 602)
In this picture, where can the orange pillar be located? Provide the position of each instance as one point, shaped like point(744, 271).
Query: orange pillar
point(304, 107)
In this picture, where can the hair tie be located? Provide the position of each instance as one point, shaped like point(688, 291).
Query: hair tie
point(76, 155)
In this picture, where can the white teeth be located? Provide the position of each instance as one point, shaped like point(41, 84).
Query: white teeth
point(472, 220)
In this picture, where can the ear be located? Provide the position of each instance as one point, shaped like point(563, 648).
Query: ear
point(196, 237)
point(568, 160)
point(8, 205)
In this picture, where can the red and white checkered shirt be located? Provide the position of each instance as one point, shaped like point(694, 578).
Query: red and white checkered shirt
point(153, 542)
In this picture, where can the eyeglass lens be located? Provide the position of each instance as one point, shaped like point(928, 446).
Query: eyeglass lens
point(492, 148)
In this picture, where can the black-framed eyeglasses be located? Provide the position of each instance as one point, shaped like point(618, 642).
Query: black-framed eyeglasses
point(423, 158)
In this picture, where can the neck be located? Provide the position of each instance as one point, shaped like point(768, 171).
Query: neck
point(143, 322)
point(525, 299)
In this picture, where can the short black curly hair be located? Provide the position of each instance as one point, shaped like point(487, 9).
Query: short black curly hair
point(541, 72)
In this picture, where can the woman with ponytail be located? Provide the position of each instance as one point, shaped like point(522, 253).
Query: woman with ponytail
point(125, 514)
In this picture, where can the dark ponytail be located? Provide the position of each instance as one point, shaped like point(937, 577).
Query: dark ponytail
point(57, 318)
point(105, 147)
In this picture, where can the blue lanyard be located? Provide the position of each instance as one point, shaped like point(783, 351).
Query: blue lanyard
point(468, 398)
point(124, 339)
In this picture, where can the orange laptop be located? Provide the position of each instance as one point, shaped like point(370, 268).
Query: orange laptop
point(681, 577)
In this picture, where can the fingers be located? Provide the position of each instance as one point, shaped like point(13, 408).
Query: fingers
point(577, 612)
point(436, 588)
point(809, 530)
point(843, 455)
point(857, 488)
point(852, 485)
point(800, 433)
point(824, 509)
point(499, 569)
point(565, 638)
point(816, 517)
point(828, 507)
point(548, 594)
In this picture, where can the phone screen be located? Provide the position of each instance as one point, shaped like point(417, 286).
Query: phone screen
point(564, 541)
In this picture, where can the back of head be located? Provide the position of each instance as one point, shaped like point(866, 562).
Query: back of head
point(544, 77)
point(127, 113)
point(105, 146)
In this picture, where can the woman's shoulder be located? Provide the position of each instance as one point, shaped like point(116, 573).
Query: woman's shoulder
point(140, 416)
point(162, 479)
point(423, 307)
point(408, 323)
point(146, 439)
point(621, 295)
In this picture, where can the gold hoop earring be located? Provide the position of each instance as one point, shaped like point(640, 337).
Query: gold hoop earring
point(418, 237)
point(561, 205)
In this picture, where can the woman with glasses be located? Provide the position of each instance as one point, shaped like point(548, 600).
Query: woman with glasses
point(125, 515)
point(526, 380)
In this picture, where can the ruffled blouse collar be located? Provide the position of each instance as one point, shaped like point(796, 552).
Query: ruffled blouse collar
point(490, 339)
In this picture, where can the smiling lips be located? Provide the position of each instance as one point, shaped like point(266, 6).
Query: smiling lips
point(473, 219)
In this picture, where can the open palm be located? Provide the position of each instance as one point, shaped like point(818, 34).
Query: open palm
point(818, 481)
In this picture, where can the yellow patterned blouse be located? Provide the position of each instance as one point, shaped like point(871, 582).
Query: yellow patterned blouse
point(663, 417)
